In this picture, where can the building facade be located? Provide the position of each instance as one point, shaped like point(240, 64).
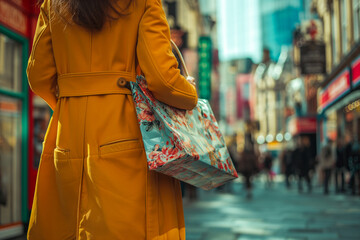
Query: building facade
point(339, 93)
point(272, 79)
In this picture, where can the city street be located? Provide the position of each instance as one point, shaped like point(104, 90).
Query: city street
point(275, 82)
point(272, 214)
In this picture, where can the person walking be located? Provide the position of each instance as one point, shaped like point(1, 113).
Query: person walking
point(340, 167)
point(248, 166)
point(327, 161)
point(354, 166)
point(234, 155)
point(93, 181)
point(288, 165)
point(302, 161)
point(267, 164)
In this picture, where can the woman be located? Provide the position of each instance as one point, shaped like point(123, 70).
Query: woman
point(93, 181)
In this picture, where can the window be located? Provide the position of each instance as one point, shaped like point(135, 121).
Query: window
point(356, 19)
point(10, 64)
point(343, 21)
point(11, 129)
point(10, 160)
point(331, 125)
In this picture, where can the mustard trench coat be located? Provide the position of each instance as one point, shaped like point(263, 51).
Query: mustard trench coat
point(93, 181)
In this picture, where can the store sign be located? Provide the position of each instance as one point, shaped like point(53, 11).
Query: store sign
point(302, 125)
point(13, 17)
point(355, 67)
point(312, 58)
point(335, 89)
point(205, 62)
point(312, 30)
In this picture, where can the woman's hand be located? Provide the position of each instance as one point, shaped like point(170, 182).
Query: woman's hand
point(191, 80)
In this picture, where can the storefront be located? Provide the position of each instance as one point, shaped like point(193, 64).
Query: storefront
point(20, 111)
point(339, 105)
point(13, 133)
point(303, 132)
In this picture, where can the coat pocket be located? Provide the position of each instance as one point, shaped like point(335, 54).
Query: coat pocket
point(119, 146)
point(64, 171)
point(61, 154)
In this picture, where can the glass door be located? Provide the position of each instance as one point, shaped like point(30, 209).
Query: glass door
point(13, 133)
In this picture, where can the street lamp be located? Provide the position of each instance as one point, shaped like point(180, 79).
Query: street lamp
point(269, 138)
point(260, 139)
point(279, 137)
point(287, 136)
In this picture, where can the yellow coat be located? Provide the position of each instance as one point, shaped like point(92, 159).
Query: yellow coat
point(93, 181)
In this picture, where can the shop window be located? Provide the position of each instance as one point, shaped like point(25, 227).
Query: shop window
point(10, 160)
point(331, 125)
point(343, 21)
point(356, 19)
point(10, 64)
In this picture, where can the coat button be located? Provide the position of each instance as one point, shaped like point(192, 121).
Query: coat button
point(122, 82)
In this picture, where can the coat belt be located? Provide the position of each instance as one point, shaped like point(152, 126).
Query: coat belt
point(94, 83)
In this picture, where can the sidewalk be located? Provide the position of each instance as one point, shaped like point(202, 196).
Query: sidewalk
point(272, 214)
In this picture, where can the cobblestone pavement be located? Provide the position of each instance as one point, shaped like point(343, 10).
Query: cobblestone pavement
point(272, 214)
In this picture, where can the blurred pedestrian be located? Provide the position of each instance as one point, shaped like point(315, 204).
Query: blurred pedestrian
point(267, 165)
point(354, 166)
point(288, 165)
point(303, 162)
point(327, 162)
point(234, 155)
point(93, 181)
point(347, 159)
point(248, 166)
point(340, 166)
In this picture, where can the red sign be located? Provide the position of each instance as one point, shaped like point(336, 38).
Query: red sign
point(13, 17)
point(335, 89)
point(302, 125)
point(356, 71)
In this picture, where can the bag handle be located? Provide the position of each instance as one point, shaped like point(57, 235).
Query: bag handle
point(173, 45)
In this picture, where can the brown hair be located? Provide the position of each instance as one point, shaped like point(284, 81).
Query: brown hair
point(91, 14)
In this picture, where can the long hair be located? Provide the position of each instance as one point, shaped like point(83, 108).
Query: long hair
point(91, 14)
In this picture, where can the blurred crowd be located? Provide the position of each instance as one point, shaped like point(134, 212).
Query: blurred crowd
point(337, 162)
point(336, 166)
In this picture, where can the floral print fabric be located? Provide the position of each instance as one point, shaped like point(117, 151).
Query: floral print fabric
point(183, 144)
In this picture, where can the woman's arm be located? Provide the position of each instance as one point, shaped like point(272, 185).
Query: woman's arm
point(41, 70)
point(157, 61)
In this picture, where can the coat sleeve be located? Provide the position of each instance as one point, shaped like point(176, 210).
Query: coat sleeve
point(157, 61)
point(41, 69)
